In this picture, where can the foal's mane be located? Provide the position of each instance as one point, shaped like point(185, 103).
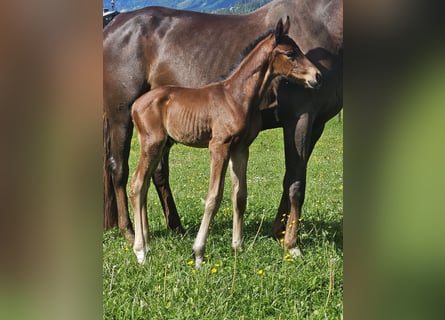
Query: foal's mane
point(246, 52)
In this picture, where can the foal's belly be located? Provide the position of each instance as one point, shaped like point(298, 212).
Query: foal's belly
point(191, 139)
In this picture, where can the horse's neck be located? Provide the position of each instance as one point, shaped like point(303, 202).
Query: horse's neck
point(247, 81)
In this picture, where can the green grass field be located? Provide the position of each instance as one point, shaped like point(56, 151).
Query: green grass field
point(258, 283)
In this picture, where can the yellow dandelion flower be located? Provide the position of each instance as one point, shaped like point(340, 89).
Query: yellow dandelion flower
point(281, 240)
point(260, 272)
point(190, 263)
point(287, 256)
point(193, 270)
point(126, 249)
point(216, 265)
point(214, 270)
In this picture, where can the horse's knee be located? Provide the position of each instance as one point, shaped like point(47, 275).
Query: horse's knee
point(296, 192)
point(112, 164)
point(119, 171)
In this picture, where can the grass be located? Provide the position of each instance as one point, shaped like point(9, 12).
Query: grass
point(258, 283)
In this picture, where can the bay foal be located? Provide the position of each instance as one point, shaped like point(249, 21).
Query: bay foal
point(222, 116)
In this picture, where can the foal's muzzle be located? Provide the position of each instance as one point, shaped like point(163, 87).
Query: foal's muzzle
point(317, 83)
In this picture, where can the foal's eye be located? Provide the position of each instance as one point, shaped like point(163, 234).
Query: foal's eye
point(291, 54)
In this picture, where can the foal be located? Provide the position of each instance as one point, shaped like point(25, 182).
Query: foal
point(222, 116)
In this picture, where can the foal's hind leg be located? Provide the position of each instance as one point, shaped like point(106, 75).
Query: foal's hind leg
point(238, 168)
point(138, 196)
point(219, 156)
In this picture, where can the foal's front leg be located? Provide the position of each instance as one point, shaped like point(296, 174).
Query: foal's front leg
point(238, 169)
point(149, 158)
point(219, 155)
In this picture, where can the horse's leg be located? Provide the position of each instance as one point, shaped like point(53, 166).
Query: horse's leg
point(161, 182)
point(238, 168)
point(109, 199)
point(297, 139)
point(149, 157)
point(218, 165)
point(120, 134)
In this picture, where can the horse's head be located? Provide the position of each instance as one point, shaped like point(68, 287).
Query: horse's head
point(290, 62)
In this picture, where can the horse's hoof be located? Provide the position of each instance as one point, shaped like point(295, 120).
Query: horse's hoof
point(179, 230)
point(277, 231)
point(129, 236)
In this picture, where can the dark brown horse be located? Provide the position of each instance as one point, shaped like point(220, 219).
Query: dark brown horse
point(157, 46)
point(223, 116)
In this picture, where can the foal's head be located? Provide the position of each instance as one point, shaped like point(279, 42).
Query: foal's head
point(289, 61)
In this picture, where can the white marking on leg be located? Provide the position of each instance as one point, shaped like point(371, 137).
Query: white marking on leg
point(295, 252)
point(140, 254)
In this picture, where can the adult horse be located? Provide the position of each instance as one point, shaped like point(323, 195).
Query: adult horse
point(157, 46)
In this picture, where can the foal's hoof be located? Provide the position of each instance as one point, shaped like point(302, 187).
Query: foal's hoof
point(198, 262)
point(140, 255)
point(141, 259)
point(238, 246)
point(295, 253)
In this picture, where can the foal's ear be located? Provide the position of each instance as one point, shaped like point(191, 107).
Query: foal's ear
point(281, 28)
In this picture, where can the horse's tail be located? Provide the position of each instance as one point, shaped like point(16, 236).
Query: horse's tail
point(110, 205)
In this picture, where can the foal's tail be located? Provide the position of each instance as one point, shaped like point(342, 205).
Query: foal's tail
point(110, 205)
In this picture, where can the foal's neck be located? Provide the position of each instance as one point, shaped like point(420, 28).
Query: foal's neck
point(246, 84)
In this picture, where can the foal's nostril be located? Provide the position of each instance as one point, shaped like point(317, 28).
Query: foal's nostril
point(315, 84)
